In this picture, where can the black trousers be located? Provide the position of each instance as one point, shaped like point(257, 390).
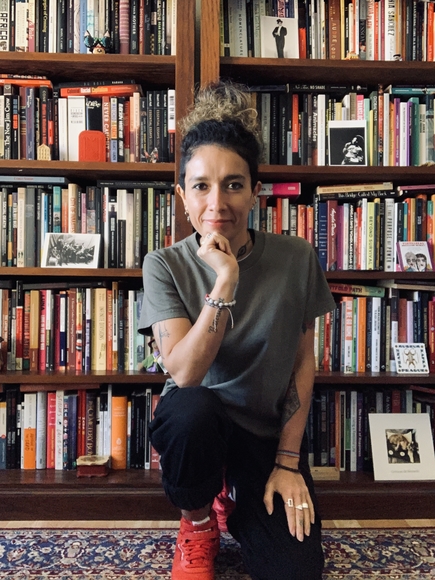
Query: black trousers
point(197, 442)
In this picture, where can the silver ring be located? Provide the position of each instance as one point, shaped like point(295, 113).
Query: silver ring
point(299, 507)
point(208, 235)
point(289, 502)
point(305, 506)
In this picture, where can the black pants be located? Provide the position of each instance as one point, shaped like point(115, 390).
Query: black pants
point(196, 441)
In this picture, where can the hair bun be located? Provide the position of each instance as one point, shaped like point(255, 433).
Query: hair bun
point(223, 101)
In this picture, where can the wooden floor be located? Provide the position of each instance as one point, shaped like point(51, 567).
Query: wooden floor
point(327, 524)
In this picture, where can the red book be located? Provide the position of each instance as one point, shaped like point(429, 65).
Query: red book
point(71, 328)
point(81, 421)
point(42, 334)
point(332, 205)
point(26, 331)
point(113, 90)
point(51, 428)
point(288, 189)
point(56, 332)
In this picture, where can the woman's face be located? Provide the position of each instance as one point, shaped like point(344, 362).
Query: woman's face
point(218, 195)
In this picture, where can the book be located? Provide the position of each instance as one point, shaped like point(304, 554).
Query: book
point(119, 432)
point(414, 256)
point(290, 189)
point(356, 289)
point(355, 187)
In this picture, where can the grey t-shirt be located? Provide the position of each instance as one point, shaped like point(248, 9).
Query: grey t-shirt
point(281, 286)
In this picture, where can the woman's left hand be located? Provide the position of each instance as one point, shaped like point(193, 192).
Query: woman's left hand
point(297, 501)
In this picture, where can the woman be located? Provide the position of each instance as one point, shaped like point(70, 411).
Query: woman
point(232, 313)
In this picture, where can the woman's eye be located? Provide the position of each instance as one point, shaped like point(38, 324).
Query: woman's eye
point(200, 186)
point(235, 185)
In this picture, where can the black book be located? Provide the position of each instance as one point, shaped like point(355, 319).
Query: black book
point(43, 25)
point(94, 113)
point(121, 329)
point(134, 26)
point(62, 25)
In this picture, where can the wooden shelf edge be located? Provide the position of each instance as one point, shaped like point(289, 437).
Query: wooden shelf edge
point(77, 273)
point(57, 379)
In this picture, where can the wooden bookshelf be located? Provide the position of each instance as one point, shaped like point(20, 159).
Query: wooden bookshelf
point(133, 494)
point(355, 495)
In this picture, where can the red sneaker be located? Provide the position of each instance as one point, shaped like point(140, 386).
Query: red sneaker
point(196, 549)
point(223, 505)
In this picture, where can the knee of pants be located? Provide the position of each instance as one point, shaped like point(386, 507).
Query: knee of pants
point(191, 411)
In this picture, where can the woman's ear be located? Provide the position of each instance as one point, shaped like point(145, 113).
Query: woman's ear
point(256, 191)
point(180, 191)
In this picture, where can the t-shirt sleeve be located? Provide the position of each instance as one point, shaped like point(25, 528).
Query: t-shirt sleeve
point(319, 297)
point(161, 300)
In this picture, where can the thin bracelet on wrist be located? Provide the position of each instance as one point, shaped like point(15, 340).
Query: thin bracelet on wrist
point(285, 468)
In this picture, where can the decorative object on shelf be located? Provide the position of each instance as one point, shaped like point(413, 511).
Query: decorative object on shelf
point(411, 358)
point(71, 250)
point(402, 446)
point(153, 363)
point(414, 256)
point(92, 146)
point(279, 37)
point(347, 143)
point(93, 465)
point(98, 45)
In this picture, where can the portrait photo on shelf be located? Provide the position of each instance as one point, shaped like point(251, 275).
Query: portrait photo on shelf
point(347, 143)
point(71, 250)
point(411, 358)
point(414, 257)
point(279, 37)
point(402, 446)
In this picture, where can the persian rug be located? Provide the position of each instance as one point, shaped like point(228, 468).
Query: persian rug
point(85, 554)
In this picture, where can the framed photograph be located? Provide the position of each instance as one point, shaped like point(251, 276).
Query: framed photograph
point(71, 250)
point(402, 446)
point(414, 257)
point(411, 358)
point(347, 143)
point(279, 37)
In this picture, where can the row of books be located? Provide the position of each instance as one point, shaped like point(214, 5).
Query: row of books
point(131, 219)
point(132, 26)
point(305, 124)
point(361, 29)
point(41, 122)
point(44, 429)
point(81, 327)
point(360, 333)
point(338, 426)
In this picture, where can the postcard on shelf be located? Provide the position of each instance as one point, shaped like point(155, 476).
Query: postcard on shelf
point(414, 257)
point(279, 37)
point(347, 143)
point(411, 358)
point(71, 250)
point(402, 446)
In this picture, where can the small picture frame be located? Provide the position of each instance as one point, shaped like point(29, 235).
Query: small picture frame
point(402, 446)
point(71, 251)
point(347, 143)
point(414, 257)
point(279, 37)
point(411, 358)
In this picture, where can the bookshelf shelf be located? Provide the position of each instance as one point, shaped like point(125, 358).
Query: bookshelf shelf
point(335, 378)
point(77, 378)
point(77, 274)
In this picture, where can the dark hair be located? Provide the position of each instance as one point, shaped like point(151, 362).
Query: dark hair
point(223, 116)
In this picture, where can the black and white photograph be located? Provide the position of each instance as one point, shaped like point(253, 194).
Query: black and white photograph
point(279, 37)
point(402, 446)
point(71, 250)
point(347, 143)
point(414, 257)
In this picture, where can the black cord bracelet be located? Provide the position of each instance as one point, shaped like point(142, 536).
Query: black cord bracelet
point(291, 469)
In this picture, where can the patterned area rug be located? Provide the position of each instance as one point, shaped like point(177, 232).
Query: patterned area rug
point(147, 554)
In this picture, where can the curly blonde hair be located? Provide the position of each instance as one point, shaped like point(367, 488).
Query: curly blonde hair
point(223, 101)
point(222, 115)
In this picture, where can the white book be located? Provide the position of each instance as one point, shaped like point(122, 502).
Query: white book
point(344, 232)
point(78, 40)
point(58, 435)
point(389, 236)
point(5, 25)
point(21, 227)
point(265, 124)
point(98, 426)
point(238, 27)
point(129, 233)
point(172, 123)
point(108, 423)
point(376, 334)
point(63, 128)
point(171, 25)
point(41, 430)
point(390, 29)
point(370, 31)
point(102, 25)
point(73, 196)
point(52, 26)
point(76, 124)
point(259, 10)
point(321, 128)
point(21, 28)
point(403, 135)
point(2, 126)
point(285, 218)
point(132, 326)
point(363, 253)
point(316, 342)
point(347, 336)
point(90, 18)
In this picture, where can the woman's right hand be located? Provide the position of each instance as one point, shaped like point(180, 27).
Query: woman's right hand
point(215, 250)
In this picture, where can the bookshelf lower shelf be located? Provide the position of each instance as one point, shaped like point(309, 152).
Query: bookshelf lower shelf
point(138, 495)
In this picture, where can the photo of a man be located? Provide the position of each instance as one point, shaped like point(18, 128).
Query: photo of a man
point(279, 33)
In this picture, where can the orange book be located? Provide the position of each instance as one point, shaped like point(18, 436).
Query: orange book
point(119, 432)
point(278, 215)
point(29, 431)
point(113, 90)
point(361, 334)
point(310, 224)
point(301, 227)
point(430, 32)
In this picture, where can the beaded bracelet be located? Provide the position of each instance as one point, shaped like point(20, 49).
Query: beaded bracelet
point(291, 469)
point(288, 453)
point(219, 304)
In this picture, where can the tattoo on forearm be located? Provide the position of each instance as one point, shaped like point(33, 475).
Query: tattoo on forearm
point(214, 326)
point(162, 333)
point(291, 402)
point(307, 325)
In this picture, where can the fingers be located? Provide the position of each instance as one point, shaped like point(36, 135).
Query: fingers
point(268, 499)
point(300, 516)
point(213, 240)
